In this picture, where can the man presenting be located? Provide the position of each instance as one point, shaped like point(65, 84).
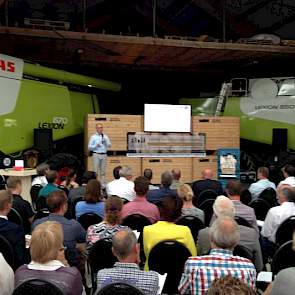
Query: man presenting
point(98, 144)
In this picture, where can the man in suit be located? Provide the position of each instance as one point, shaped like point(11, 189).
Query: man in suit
point(12, 232)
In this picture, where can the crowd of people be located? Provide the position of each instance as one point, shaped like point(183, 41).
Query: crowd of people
point(53, 244)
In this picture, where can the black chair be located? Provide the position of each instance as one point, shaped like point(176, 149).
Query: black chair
point(244, 252)
point(207, 194)
point(245, 197)
point(41, 213)
point(169, 257)
point(15, 217)
point(73, 205)
point(100, 256)
point(88, 219)
point(269, 195)
point(119, 289)
point(41, 203)
point(34, 192)
point(2, 182)
point(207, 207)
point(285, 231)
point(260, 207)
point(7, 251)
point(37, 287)
point(136, 222)
point(194, 223)
point(283, 258)
point(65, 189)
point(125, 201)
point(242, 221)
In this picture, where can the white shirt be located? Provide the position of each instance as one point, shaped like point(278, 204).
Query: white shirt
point(48, 266)
point(121, 187)
point(275, 217)
point(101, 139)
point(6, 277)
point(258, 187)
point(289, 181)
point(40, 180)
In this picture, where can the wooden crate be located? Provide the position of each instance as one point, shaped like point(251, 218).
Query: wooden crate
point(199, 164)
point(115, 126)
point(160, 165)
point(113, 161)
point(221, 132)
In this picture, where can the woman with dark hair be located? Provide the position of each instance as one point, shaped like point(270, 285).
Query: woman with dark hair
point(111, 224)
point(93, 201)
point(70, 181)
point(165, 229)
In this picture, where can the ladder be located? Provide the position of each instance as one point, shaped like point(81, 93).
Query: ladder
point(224, 92)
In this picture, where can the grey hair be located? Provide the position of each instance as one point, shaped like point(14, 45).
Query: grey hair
point(223, 206)
point(123, 243)
point(224, 233)
point(166, 178)
point(125, 171)
point(42, 168)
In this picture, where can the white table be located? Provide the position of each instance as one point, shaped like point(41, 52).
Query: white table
point(26, 178)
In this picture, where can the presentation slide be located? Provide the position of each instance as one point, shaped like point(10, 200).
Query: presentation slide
point(167, 118)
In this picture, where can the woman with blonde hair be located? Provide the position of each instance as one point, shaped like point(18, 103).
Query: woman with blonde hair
point(185, 193)
point(48, 260)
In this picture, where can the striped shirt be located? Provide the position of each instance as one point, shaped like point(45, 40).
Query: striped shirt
point(201, 271)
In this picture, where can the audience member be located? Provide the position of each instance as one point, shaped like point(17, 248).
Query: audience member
point(176, 175)
point(93, 200)
point(74, 234)
point(207, 183)
point(6, 277)
point(126, 249)
point(140, 205)
point(200, 271)
point(52, 177)
point(49, 262)
point(116, 174)
point(166, 229)
point(70, 181)
point(111, 224)
point(289, 174)
point(258, 187)
point(12, 232)
point(156, 196)
point(122, 187)
point(148, 173)
point(223, 206)
point(186, 194)
point(23, 207)
point(41, 172)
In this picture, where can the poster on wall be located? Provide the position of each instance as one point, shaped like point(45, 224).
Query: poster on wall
point(228, 163)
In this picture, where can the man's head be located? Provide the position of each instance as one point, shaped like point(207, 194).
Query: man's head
point(5, 202)
point(141, 186)
point(224, 233)
point(125, 246)
point(87, 175)
point(116, 172)
point(126, 172)
point(99, 128)
point(42, 168)
point(170, 208)
point(148, 173)
point(176, 174)
point(14, 184)
point(286, 193)
point(51, 176)
point(233, 189)
point(289, 170)
point(223, 206)
point(166, 179)
point(262, 173)
point(207, 174)
point(57, 202)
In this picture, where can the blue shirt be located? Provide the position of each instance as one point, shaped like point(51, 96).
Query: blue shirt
point(101, 139)
point(46, 190)
point(83, 207)
point(157, 195)
point(258, 187)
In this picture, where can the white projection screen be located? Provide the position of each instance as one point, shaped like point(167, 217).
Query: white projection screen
point(167, 118)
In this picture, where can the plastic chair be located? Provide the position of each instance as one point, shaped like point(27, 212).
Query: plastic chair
point(194, 223)
point(88, 219)
point(2, 182)
point(7, 251)
point(73, 205)
point(242, 251)
point(242, 221)
point(41, 213)
point(246, 197)
point(207, 207)
point(260, 207)
point(207, 194)
point(15, 217)
point(169, 257)
point(41, 203)
point(285, 230)
point(269, 195)
point(37, 287)
point(136, 222)
point(119, 289)
point(34, 192)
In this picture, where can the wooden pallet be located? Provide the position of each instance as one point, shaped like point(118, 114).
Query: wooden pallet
point(46, 24)
point(255, 42)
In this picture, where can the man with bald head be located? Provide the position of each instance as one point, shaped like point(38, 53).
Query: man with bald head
point(200, 271)
point(207, 183)
point(176, 174)
point(126, 249)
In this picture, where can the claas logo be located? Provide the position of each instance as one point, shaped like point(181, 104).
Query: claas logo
point(7, 66)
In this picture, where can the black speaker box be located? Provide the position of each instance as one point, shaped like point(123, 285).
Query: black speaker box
point(43, 141)
point(279, 139)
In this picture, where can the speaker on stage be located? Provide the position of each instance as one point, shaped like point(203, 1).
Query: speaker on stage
point(43, 141)
point(279, 139)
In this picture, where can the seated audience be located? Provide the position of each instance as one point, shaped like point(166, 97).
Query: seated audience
point(289, 174)
point(140, 205)
point(49, 262)
point(123, 187)
point(74, 234)
point(6, 277)
point(111, 224)
point(207, 183)
point(186, 194)
point(70, 181)
point(116, 174)
point(259, 186)
point(41, 172)
point(200, 271)
point(229, 286)
point(12, 232)
point(156, 196)
point(93, 200)
point(166, 229)
point(126, 249)
point(148, 173)
point(176, 174)
point(223, 206)
point(52, 178)
point(23, 207)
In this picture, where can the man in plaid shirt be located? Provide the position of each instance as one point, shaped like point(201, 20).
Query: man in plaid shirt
point(200, 272)
point(126, 249)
